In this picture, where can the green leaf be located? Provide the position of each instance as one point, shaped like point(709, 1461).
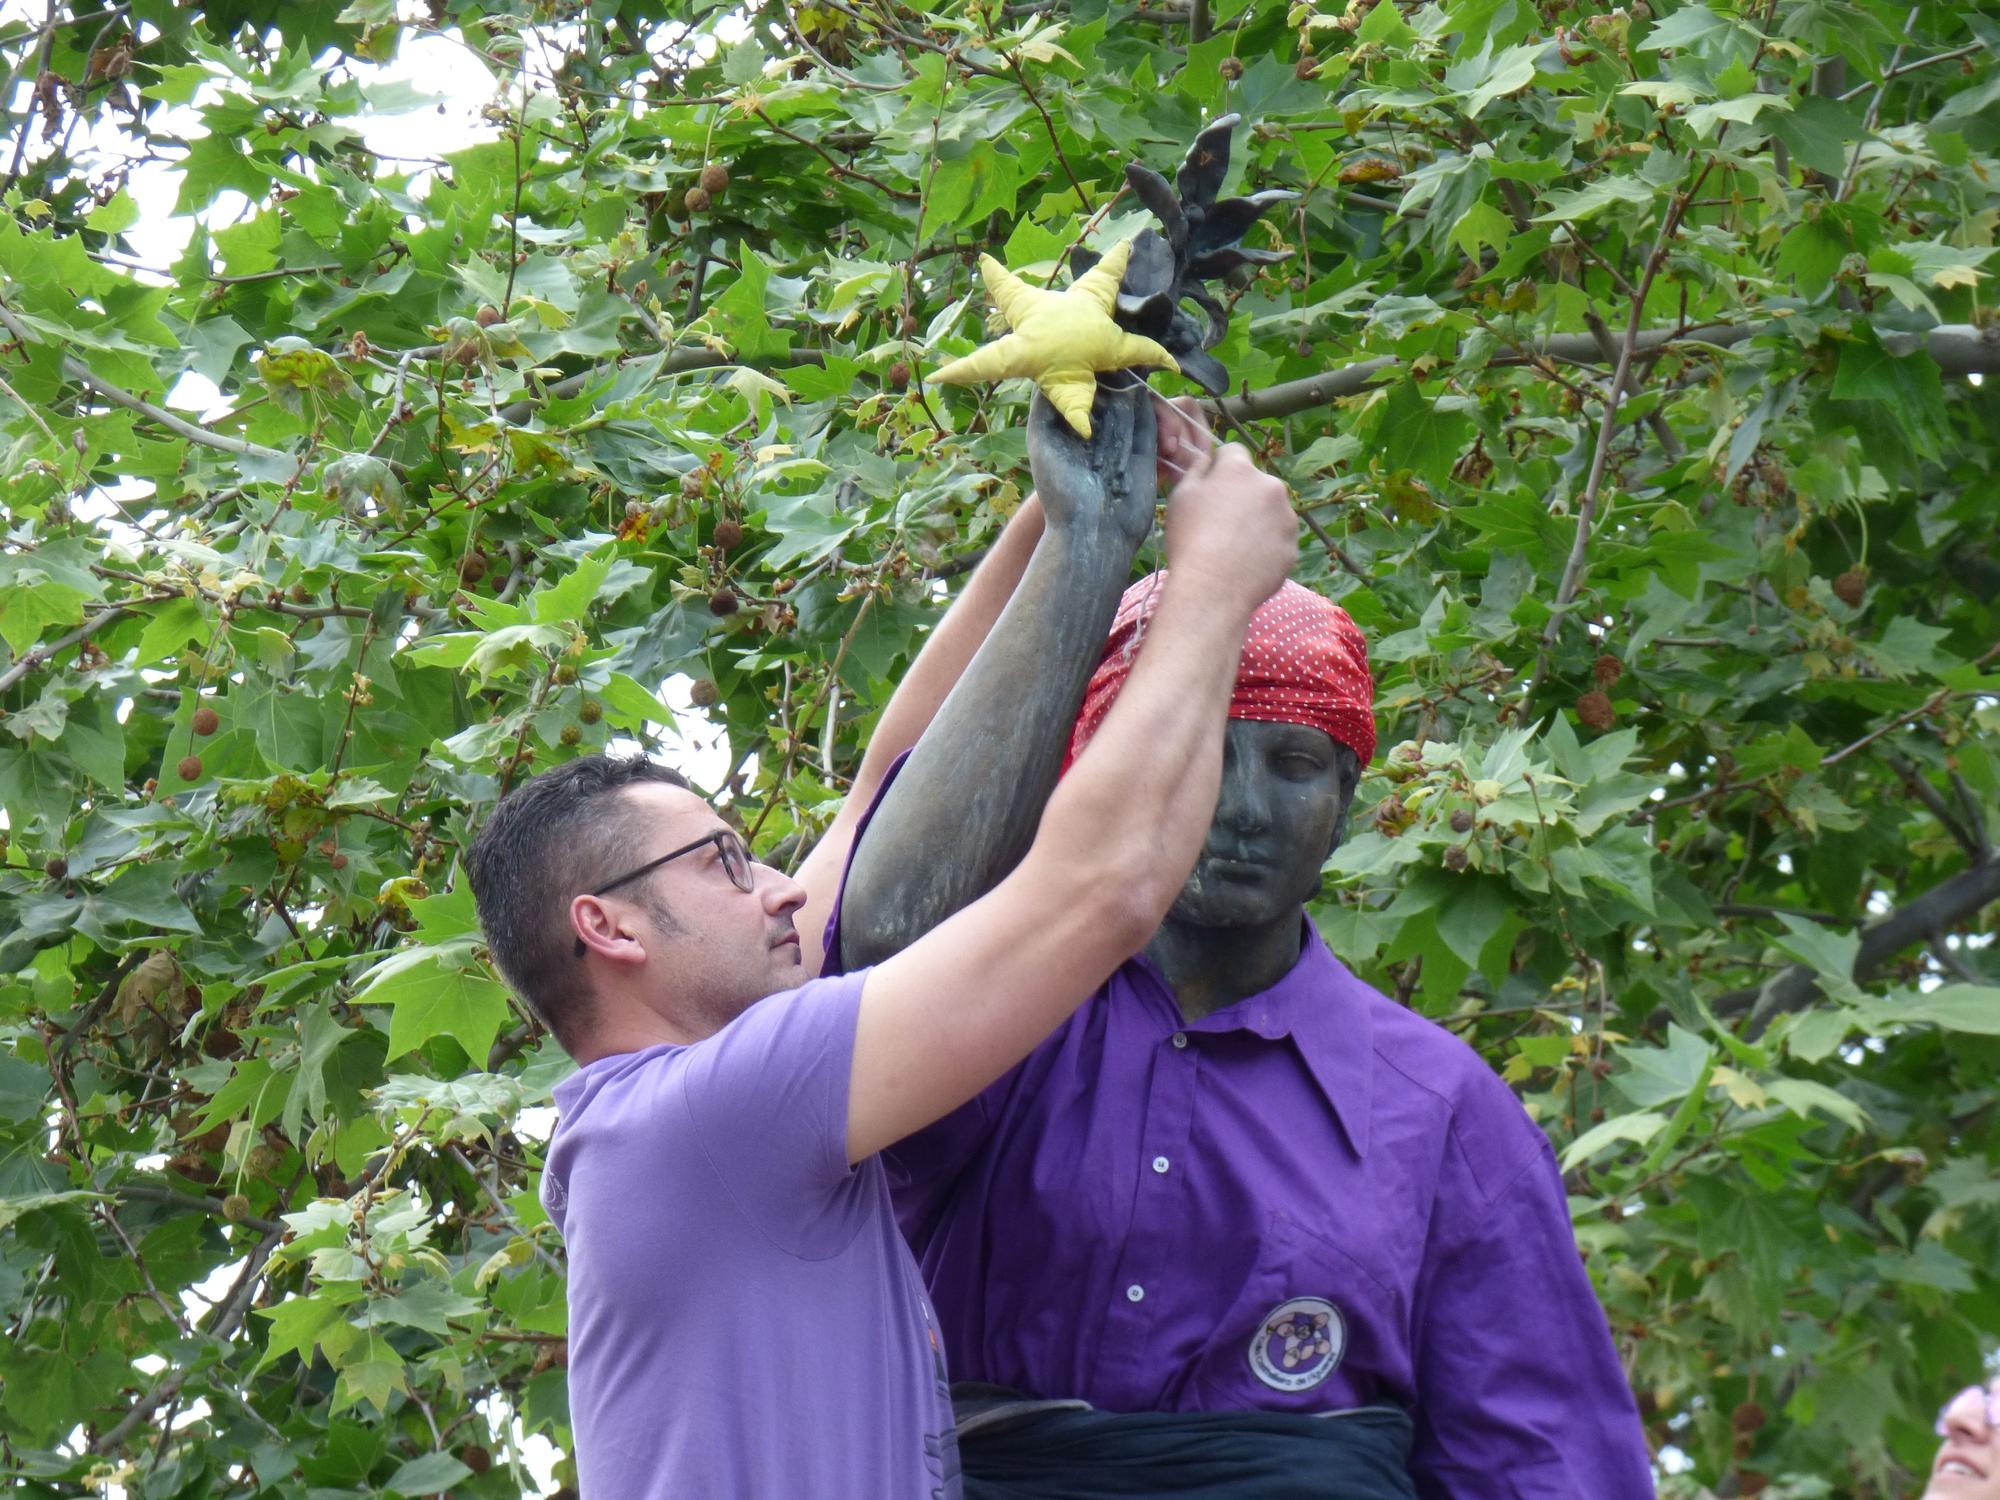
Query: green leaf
point(438, 992)
point(1830, 954)
point(1704, 118)
point(1685, 27)
point(1513, 69)
point(431, 1474)
point(742, 63)
point(1969, 1008)
point(32, 600)
point(1415, 435)
point(1585, 202)
point(1637, 1128)
point(428, 1305)
point(296, 1326)
point(1802, 1096)
point(115, 215)
point(1384, 27)
point(1660, 1075)
point(570, 599)
point(1812, 1037)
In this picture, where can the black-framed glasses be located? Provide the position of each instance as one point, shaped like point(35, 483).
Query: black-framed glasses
point(728, 844)
point(1985, 1392)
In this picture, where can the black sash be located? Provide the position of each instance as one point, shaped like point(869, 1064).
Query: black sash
point(1014, 1448)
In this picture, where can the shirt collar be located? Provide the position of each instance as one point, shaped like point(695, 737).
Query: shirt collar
point(1324, 1009)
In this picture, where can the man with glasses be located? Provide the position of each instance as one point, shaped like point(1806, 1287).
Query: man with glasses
point(745, 1318)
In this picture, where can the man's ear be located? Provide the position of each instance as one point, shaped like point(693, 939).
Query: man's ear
point(608, 929)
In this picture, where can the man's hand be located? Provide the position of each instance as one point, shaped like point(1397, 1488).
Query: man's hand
point(1184, 439)
point(1105, 485)
point(1233, 527)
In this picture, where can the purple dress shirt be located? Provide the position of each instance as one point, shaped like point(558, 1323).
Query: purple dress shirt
point(1311, 1200)
point(744, 1318)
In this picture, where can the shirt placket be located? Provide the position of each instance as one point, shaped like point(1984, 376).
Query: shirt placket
point(1140, 1292)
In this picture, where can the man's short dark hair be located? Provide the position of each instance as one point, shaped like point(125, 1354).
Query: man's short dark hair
point(552, 838)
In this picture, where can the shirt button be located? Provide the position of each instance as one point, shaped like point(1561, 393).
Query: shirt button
point(1180, 1038)
point(1159, 1164)
point(1135, 1293)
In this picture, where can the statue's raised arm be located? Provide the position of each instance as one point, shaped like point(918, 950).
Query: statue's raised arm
point(965, 806)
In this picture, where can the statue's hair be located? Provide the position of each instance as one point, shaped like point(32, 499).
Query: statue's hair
point(552, 838)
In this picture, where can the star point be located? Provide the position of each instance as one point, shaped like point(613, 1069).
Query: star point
point(1060, 340)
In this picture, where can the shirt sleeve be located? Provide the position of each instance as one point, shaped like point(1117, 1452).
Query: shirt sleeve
point(767, 1098)
point(1520, 1394)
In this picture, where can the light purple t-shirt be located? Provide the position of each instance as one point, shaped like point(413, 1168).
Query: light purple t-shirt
point(744, 1317)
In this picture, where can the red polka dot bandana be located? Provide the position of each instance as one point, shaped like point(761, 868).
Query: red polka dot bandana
point(1304, 662)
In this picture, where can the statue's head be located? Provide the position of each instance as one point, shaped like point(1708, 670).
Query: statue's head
point(1301, 727)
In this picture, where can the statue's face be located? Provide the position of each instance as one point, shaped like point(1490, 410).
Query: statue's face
point(1282, 809)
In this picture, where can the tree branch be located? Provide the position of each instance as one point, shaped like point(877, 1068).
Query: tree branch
point(1911, 67)
point(1924, 792)
point(36, 657)
point(1943, 906)
point(32, 77)
point(228, 1315)
point(1960, 349)
point(75, 369)
point(141, 1192)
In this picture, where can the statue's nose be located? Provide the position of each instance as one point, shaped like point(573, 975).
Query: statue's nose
point(1242, 804)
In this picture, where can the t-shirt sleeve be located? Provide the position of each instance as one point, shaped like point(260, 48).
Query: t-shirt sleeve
point(1520, 1392)
point(767, 1098)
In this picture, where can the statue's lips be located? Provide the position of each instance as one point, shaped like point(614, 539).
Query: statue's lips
point(1227, 867)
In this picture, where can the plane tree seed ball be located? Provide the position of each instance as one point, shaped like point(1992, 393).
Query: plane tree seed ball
point(486, 317)
point(1607, 670)
point(189, 769)
point(714, 178)
point(696, 200)
point(1851, 587)
point(206, 720)
point(722, 602)
point(590, 711)
point(728, 534)
point(56, 868)
point(1594, 710)
point(703, 694)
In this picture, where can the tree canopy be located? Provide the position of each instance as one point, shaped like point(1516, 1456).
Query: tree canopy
point(1624, 365)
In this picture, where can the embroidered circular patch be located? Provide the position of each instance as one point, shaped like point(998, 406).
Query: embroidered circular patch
point(1299, 1344)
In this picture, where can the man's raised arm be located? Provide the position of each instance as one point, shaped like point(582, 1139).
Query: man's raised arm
point(966, 805)
point(959, 1006)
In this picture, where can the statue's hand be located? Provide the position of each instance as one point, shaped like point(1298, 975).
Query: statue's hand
point(1104, 485)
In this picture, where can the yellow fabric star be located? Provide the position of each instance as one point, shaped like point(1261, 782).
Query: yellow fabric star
point(1060, 340)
